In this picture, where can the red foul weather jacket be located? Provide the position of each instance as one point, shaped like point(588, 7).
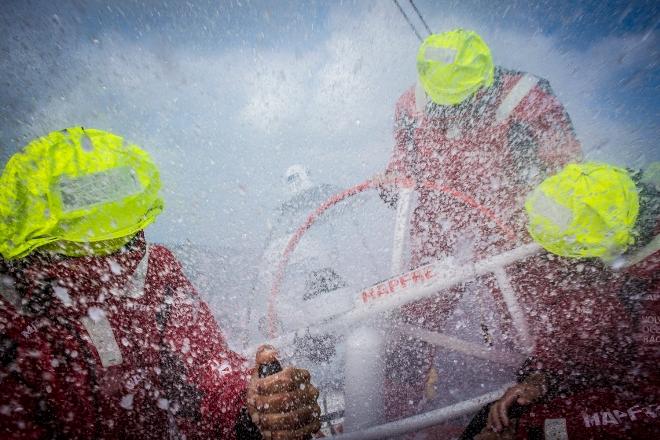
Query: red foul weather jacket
point(608, 410)
point(113, 347)
point(493, 149)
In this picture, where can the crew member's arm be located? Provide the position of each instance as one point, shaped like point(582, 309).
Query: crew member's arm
point(533, 388)
point(202, 377)
point(219, 381)
point(541, 136)
point(19, 402)
point(400, 164)
point(283, 404)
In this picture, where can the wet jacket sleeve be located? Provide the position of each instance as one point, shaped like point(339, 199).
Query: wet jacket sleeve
point(31, 405)
point(401, 161)
point(213, 391)
point(541, 135)
point(19, 403)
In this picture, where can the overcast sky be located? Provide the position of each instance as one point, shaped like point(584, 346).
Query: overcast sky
point(227, 95)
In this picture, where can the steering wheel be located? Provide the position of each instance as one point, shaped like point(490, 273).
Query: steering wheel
point(374, 183)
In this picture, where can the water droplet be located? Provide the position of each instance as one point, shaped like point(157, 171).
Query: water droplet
point(163, 403)
point(115, 267)
point(127, 401)
point(87, 144)
point(95, 313)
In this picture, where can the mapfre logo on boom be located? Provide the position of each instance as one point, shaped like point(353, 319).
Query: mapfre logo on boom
point(399, 284)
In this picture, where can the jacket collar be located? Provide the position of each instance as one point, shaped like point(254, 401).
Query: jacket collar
point(42, 278)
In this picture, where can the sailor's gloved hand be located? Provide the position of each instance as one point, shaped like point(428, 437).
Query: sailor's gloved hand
point(283, 404)
point(525, 393)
